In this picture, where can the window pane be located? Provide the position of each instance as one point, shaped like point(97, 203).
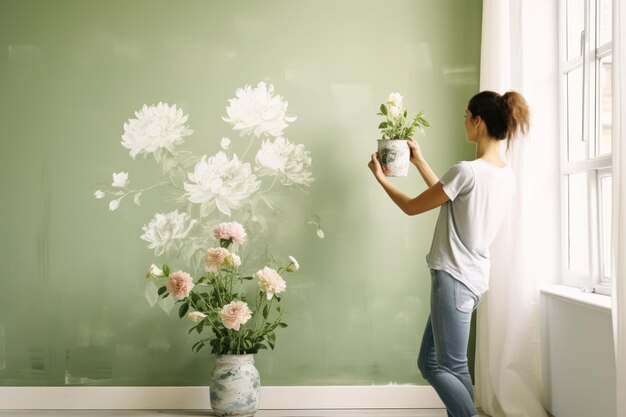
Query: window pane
point(576, 148)
point(578, 223)
point(605, 224)
point(575, 26)
point(606, 106)
point(604, 22)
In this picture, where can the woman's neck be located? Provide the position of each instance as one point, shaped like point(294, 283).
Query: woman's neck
point(488, 148)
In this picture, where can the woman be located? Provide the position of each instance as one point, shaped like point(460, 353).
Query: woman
point(475, 197)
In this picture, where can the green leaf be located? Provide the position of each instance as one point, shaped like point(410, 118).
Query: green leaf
point(248, 278)
point(183, 310)
point(383, 109)
point(283, 325)
point(266, 311)
point(277, 298)
point(382, 125)
point(162, 290)
point(166, 270)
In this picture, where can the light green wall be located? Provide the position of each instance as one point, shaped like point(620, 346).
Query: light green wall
point(72, 72)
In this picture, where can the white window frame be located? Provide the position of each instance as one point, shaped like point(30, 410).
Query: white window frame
point(596, 279)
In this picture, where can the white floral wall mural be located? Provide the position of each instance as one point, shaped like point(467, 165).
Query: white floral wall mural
point(208, 189)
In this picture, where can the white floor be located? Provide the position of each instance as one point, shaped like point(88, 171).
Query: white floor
point(261, 413)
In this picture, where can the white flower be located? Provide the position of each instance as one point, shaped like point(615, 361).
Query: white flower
point(258, 112)
point(225, 143)
point(165, 230)
point(320, 233)
point(114, 204)
point(289, 162)
point(293, 265)
point(196, 316)
point(270, 282)
point(99, 194)
point(120, 179)
point(234, 259)
point(154, 272)
point(220, 182)
point(155, 128)
point(395, 99)
point(394, 112)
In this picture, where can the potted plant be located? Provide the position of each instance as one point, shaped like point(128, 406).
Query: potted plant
point(219, 303)
point(396, 129)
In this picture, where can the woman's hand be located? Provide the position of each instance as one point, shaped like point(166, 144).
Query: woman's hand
point(416, 152)
point(374, 165)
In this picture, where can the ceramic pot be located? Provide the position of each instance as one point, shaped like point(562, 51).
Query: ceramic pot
point(235, 386)
point(395, 156)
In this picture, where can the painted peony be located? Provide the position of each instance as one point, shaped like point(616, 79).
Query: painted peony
point(257, 111)
point(230, 231)
point(290, 163)
point(219, 182)
point(235, 314)
point(165, 231)
point(179, 285)
point(215, 258)
point(120, 179)
point(114, 204)
point(270, 282)
point(156, 128)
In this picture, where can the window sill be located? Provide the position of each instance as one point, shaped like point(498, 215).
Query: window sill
point(576, 295)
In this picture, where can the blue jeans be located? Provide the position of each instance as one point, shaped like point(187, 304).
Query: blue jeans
point(443, 355)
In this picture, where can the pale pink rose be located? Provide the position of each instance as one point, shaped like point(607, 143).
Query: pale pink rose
point(235, 314)
point(215, 258)
point(270, 282)
point(179, 284)
point(230, 231)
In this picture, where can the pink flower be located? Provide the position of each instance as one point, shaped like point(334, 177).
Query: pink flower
point(235, 314)
point(179, 284)
point(270, 282)
point(230, 231)
point(215, 258)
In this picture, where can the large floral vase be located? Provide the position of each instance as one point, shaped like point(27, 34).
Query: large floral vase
point(395, 156)
point(235, 386)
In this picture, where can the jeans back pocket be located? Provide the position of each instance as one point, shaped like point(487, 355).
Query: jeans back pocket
point(464, 298)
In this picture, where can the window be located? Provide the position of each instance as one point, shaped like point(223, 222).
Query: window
point(586, 128)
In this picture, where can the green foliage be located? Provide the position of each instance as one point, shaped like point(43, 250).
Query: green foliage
point(213, 291)
point(397, 125)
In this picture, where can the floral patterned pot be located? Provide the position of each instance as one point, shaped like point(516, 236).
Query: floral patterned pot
point(394, 157)
point(235, 386)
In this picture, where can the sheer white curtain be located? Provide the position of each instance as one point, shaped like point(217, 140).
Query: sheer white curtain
point(520, 52)
point(619, 202)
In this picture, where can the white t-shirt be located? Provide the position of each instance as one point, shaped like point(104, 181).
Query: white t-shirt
point(481, 195)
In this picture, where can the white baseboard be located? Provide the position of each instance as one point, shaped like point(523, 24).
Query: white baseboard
point(197, 398)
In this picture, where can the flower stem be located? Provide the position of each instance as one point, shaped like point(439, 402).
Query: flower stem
point(248, 148)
